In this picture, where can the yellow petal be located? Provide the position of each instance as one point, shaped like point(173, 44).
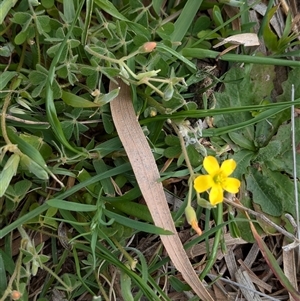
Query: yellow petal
point(211, 164)
point(216, 195)
point(228, 166)
point(203, 183)
point(231, 185)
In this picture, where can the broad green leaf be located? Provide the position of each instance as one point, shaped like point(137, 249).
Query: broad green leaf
point(108, 97)
point(262, 79)
point(284, 189)
point(165, 31)
point(38, 143)
point(77, 102)
point(270, 38)
point(7, 49)
point(157, 4)
point(42, 24)
point(21, 18)
point(6, 77)
point(172, 140)
point(194, 156)
point(47, 3)
point(238, 92)
point(9, 170)
point(280, 151)
point(243, 161)
point(69, 11)
point(5, 7)
point(241, 140)
point(18, 191)
point(68, 128)
point(263, 193)
point(269, 152)
point(27, 148)
point(30, 165)
point(172, 152)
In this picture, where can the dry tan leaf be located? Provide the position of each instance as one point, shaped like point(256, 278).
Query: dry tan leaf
point(246, 39)
point(147, 175)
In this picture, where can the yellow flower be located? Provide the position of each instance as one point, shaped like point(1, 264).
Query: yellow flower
point(217, 179)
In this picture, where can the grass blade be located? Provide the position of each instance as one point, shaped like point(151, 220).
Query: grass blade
point(185, 20)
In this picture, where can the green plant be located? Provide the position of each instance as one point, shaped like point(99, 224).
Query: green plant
point(63, 166)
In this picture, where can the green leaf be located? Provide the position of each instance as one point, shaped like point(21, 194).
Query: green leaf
point(5, 78)
point(284, 188)
point(7, 49)
point(5, 7)
point(71, 206)
point(172, 140)
point(42, 24)
point(262, 79)
point(19, 190)
point(218, 19)
point(39, 144)
point(185, 20)
point(136, 224)
point(239, 139)
point(47, 3)
point(109, 8)
point(194, 156)
point(50, 84)
point(238, 92)
point(69, 11)
point(30, 165)
point(38, 209)
point(277, 155)
point(163, 48)
point(21, 18)
point(172, 152)
point(270, 38)
point(165, 31)
point(9, 170)
point(242, 159)
point(263, 192)
point(273, 149)
point(108, 97)
point(76, 101)
point(3, 279)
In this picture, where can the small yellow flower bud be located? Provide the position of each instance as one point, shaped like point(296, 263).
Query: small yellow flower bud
point(191, 218)
point(148, 47)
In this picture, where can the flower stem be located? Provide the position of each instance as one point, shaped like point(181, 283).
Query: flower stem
point(213, 255)
point(183, 148)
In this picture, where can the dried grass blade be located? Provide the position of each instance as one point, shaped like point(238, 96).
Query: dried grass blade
point(147, 174)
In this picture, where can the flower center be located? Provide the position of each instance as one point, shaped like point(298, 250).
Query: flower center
point(219, 177)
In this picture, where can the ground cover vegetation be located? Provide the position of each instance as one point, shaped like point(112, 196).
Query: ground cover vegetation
point(148, 150)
